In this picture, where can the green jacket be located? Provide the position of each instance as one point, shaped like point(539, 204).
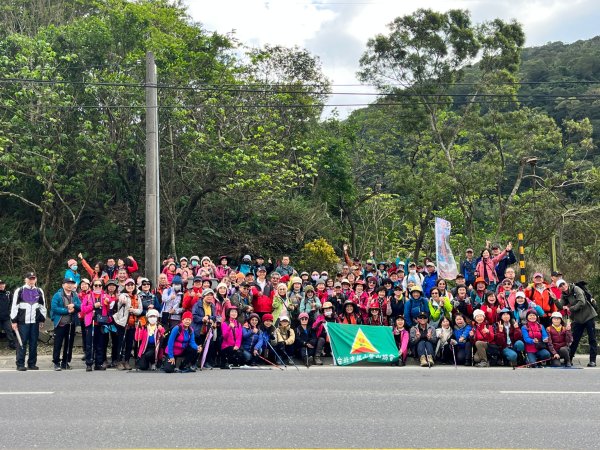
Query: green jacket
point(581, 310)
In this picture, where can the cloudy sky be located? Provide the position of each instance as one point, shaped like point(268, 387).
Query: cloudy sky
point(337, 30)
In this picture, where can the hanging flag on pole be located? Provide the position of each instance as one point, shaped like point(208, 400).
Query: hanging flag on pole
point(354, 343)
point(446, 264)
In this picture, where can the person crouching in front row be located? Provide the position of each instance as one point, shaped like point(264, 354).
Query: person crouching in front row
point(149, 340)
point(182, 345)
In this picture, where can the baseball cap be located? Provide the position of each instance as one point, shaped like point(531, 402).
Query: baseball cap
point(538, 274)
point(556, 273)
point(67, 280)
point(30, 275)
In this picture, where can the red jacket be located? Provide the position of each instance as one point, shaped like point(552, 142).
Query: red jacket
point(190, 300)
point(558, 339)
point(515, 335)
point(262, 303)
point(542, 299)
point(491, 314)
point(479, 335)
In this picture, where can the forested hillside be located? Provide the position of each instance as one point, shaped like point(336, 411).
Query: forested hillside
point(249, 166)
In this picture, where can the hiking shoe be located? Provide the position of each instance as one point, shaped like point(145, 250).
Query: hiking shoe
point(186, 370)
point(99, 368)
point(120, 366)
point(57, 367)
point(21, 368)
point(592, 364)
point(65, 366)
point(33, 368)
point(423, 361)
point(126, 366)
point(88, 368)
point(568, 364)
point(430, 360)
point(318, 361)
point(482, 364)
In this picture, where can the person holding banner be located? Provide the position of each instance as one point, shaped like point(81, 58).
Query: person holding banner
point(423, 340)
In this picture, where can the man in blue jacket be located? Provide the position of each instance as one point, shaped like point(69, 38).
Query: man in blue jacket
point(64, 308)
point(468, 267)
point(430, 279)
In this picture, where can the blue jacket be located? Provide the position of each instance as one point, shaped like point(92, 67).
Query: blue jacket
point(468, 270)
point(251, 341)
point(462, 333)
point(76, 276)
point(198, 313)
point(58, 309)
point(429, 282)
point(188, 340)
point(504, 263)
point(413, 307)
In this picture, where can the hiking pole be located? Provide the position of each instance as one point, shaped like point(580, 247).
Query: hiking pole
point(306, 351)
point(267, 361)
point(531, 364)
point(453, 355)
point(427, 357)
point(276, 354)
point(18, 335)
point(290, 360)
point(69, 349)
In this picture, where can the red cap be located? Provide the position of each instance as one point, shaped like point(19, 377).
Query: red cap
point(268, 317)
point(187, 315)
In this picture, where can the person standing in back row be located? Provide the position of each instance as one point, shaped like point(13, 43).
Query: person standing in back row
point(583, 315)
point(28, 314)
point(5, 324)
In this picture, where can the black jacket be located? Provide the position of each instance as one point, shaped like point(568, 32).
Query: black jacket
point(5, 305)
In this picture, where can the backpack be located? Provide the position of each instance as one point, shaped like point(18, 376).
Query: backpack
point(587, 294)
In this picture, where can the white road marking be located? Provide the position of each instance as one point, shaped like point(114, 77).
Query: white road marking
point(26, 393)
point(551, 392)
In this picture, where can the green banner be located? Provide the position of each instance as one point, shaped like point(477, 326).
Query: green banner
point(354, 343)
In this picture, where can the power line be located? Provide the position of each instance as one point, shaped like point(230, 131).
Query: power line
point(267, 91)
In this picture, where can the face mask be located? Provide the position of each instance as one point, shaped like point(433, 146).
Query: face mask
point(74, 267)
point(328, 313)
point(413, 271)
point(177, 287)
point(152, 320)
point(194, 263)
point(315, 277)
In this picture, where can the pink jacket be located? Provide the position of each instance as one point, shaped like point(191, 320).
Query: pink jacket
point(489, 267)
point(221, 272)
point(232, 337)
point(141, 335)
point(87, 306)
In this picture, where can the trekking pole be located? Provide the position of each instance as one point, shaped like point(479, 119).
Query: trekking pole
point(267, 361)
point(531, 364)
point(69, 349)
point(427, 357)
point(290, 359)
point(18, 335)
point(276, 354)
point(306, 351)
point(453, 355)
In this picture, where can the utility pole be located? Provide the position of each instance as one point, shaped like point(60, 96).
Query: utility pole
point(152, 248)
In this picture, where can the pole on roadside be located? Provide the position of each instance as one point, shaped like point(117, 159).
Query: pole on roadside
point(553, 265)
point(152, 235)
point(522, 259)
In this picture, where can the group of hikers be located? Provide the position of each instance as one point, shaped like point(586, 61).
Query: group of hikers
point(206, 314)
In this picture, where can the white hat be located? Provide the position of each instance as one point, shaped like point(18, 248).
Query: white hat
point(556, 314)
point(246, 258)
point(478, 312)
point(520, 294)
point(559, 282)
point(152, 312)
point(282, 318)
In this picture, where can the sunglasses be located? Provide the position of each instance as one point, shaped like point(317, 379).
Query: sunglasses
point(97, 285)
point(145, 284)
point(304, 318)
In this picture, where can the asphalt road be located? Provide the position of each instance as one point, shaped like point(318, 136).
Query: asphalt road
point(319, 407)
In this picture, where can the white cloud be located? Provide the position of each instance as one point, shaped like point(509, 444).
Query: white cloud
point(337, 32)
